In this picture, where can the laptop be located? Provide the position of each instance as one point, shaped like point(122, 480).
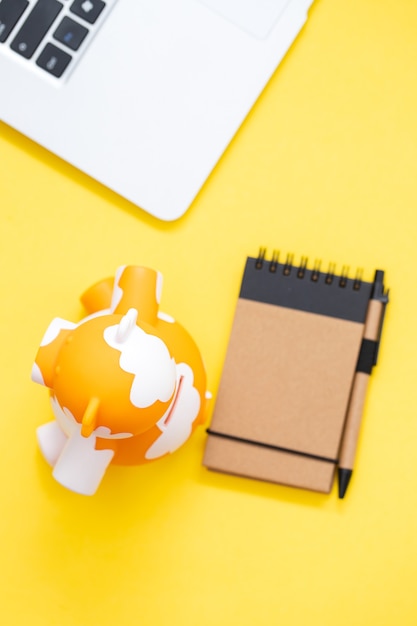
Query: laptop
point(142, 95)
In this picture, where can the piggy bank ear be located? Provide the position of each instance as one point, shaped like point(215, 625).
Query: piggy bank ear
point(46, 359)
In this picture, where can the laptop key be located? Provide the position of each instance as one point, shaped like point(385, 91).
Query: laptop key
point(70, 33)
point(53, 60)
point(10, 12)
point(35, 27)
point(89, 10)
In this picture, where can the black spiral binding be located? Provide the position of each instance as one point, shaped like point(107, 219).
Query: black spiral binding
point(287, 268)
point(307, 288)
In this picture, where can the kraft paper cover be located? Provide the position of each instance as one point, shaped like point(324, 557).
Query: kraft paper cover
point(286, 383)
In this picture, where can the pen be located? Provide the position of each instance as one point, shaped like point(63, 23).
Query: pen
point(367, 359)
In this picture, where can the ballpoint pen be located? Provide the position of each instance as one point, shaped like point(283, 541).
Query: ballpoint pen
point(367, 359)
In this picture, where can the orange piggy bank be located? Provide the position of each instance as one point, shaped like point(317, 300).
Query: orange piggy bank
point(127, 383)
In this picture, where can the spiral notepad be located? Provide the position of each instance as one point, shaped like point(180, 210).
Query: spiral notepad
point(288, 373)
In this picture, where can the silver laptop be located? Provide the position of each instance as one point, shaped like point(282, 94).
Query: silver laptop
point(142, 95)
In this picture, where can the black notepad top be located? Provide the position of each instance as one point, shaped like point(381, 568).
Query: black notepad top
point(323, 293)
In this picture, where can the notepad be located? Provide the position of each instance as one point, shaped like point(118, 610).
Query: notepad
point(288, 373)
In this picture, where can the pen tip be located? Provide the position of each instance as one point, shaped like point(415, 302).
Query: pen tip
point(344, 478)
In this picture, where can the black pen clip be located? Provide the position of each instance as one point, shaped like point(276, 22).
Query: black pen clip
point(379, 293)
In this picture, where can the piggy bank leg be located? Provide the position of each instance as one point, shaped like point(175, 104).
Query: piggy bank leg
point(51, 440)
point(80, 467)
point(99, 296)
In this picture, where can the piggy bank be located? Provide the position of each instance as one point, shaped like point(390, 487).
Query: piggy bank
point(127, 383)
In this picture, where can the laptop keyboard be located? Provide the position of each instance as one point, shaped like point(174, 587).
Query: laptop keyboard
point(49, 33)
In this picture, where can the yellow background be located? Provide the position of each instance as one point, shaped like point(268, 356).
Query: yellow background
point(324, 166)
